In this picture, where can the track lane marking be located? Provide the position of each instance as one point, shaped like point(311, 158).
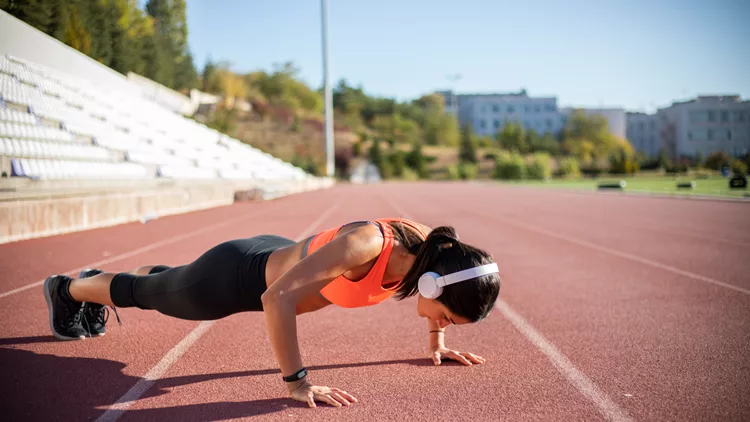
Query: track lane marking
point(578, 379)
point(573, 375)
point(615, 252)
point(116, 410)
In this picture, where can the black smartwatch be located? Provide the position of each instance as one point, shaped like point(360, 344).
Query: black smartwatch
point(296, 376)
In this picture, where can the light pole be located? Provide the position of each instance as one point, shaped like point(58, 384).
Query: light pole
point(328, 95)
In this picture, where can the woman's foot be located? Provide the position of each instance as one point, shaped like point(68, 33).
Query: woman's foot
point(95, 315)
point(65, 314)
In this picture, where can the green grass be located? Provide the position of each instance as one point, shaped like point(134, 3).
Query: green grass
point(715, 186)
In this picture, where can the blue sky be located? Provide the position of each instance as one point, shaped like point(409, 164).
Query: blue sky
point(635, 54)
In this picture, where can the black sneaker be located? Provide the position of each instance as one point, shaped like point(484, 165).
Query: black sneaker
point(65, 314)
point(95, 315)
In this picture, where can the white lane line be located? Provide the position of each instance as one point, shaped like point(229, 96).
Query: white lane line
point(140, 250)
point(581, 382)
point(122, 404)
point(620, 254)
point(585, 386)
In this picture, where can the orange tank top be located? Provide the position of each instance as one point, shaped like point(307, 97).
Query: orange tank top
point(369, 290)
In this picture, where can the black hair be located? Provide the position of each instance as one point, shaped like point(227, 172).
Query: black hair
point(442, 252)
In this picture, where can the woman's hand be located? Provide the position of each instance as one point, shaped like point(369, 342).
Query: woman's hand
point(309, 393)
point(440, 353)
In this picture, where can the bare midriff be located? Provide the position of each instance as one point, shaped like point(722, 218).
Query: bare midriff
point(281, 260)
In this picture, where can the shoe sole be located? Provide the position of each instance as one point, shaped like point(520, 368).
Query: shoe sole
point(48, 298)
point(82, 274)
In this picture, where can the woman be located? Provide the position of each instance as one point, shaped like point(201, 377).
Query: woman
point(355, 265)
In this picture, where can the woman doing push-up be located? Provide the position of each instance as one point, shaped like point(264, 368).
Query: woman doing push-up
point(355, 265)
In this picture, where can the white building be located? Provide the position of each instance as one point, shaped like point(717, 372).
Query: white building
point(706, 124)
point(487, 113)
point(643, 132)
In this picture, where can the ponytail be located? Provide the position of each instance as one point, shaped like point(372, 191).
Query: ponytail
point(428, 251)
point(442, 252)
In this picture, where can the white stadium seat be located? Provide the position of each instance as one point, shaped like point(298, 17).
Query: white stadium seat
point(112, 130)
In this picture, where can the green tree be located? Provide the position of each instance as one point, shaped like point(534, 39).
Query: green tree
point(531, 140)
point(468, 149)
point(99, 20)
point(37, 13)
point(60, 19)
point(717, 160)
point(375, 154)
point(417, 161)
point(512, 137)
point(172, 64)
point(76, 34)
point(398, 163)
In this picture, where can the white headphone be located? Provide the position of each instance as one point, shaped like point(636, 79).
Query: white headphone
point(431, 284)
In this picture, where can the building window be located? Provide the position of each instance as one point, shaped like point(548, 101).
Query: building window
point(495, 108)
point(698, 116)
point(482, 109)
point(711, 116)
point(536, 109)
point(511, 109)
point(652, 124)
point(526, 108)
point(550, 107)
point(690, 135)
point(549, 123)
point(710, 133)
point(497, 123)
point(724, 116)
point(642, 125)
point(481, 124)
point(739, 116)
point(729, 134)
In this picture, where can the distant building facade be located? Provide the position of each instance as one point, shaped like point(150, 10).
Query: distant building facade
point(644, 133)
point(704, 125)
point(488, 113)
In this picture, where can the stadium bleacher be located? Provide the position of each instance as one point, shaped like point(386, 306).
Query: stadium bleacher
point(57, 126)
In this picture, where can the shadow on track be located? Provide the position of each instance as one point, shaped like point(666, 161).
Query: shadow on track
point(44, 387)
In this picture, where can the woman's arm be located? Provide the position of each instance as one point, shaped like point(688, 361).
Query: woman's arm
point(437, 340)
point(308, 276)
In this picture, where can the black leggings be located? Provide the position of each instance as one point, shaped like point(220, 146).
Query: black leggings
point(227, 279)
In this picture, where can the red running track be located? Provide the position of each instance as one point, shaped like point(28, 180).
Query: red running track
point(613, 308)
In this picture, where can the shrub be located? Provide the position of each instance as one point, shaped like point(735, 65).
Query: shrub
point(463, 171)
point(453, 172)
point(622, 163)
point(467, 171)
point(417, 161)
point(568, 167)
point(490, 156)
point(510, 167)
point(398, 162)
point(717, 160)
point(409, 174)
point(739, 168)
point(540, 167)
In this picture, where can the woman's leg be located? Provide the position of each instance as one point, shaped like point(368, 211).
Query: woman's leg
point(96, 289)
point(92, 289)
